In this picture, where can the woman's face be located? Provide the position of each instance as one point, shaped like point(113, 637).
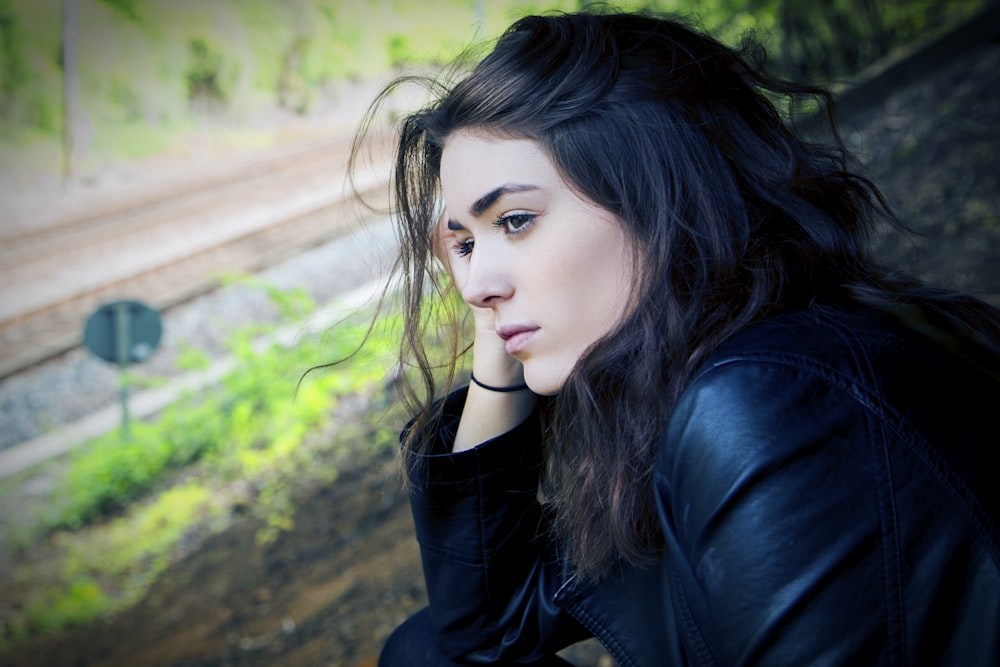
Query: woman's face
point(555, 269)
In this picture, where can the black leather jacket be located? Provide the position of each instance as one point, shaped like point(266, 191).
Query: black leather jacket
point(828, 496)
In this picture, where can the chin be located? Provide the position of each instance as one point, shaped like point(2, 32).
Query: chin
point(544, 383)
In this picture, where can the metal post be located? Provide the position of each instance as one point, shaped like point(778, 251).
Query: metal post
point(71, 87)
point(122, 346)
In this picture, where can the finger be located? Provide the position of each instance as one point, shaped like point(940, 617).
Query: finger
point(445, 242)
point(441, 240)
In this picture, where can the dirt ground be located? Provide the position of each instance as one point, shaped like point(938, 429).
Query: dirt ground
point(330, 590)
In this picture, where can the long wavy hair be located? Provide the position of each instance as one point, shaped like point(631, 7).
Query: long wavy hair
point(736, 216)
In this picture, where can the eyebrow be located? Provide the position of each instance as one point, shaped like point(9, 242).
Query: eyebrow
point(483, 204)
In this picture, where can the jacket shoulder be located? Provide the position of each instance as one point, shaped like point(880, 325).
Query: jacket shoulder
point(897, 364)
point(930, 391)
point(820, 467)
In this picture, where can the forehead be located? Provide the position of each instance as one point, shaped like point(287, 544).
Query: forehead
point(473, 163)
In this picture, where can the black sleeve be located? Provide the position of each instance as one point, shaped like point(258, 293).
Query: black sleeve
point(490, 571)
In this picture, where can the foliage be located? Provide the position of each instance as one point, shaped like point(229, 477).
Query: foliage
point(130, 550)
point(12, 69)
point(151, 73)
point(126, 8)
point(125, 507)
point(204, 74)
point(251, 419)
point(835, 40)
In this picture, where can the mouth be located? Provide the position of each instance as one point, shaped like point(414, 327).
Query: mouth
point(516, 337)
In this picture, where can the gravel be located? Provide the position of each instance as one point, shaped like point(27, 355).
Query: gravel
point(932, 146)
point(61, 391)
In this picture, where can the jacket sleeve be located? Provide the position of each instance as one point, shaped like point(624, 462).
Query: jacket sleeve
point(774, 495)
point(490, 571)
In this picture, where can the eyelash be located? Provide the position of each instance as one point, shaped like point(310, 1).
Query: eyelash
point(504, 220)
point(464, 247)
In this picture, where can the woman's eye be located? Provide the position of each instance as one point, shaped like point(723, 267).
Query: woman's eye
point(515, 222)
point(464, 247)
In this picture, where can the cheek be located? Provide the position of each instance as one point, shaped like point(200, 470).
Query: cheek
point(610, 274)
point(587, 296)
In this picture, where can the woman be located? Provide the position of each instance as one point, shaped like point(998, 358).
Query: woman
point(702, 425)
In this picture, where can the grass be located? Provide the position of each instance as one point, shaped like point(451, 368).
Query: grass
point(126, 509)
point(159, 76)
point(121, 511)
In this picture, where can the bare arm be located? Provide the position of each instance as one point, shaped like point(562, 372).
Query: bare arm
point(488, 414)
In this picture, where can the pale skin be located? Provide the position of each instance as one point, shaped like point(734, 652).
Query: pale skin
point(546, 273)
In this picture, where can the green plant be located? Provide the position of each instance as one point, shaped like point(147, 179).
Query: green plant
point(97, 571)
point(127, 8)
point(119, 515)
point(204, 74)
point(12, 67)
point(252, 420)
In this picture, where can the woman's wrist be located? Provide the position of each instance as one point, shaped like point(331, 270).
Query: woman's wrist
point(520, 386)
point(497, 400)
point(488, 414)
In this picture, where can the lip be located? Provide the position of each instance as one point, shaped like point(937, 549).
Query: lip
point(516, 337)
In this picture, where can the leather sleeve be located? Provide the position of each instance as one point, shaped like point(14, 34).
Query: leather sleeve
point(775, 496)
point(490, 572)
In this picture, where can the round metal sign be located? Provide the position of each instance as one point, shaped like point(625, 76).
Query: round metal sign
point(123, 332)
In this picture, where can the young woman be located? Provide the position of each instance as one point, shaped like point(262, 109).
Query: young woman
point(702, 425)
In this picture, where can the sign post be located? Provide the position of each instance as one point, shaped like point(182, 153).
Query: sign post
point(123, 333)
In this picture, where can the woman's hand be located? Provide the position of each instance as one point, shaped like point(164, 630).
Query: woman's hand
point(487, 414)
point(491, 363)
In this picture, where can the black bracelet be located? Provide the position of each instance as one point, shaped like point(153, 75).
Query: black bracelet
point(516, 387)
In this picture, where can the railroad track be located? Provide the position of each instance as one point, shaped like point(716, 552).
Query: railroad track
point(168, 250)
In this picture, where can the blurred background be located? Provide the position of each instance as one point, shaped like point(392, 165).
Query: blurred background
point(128, 79)
point(205, 503)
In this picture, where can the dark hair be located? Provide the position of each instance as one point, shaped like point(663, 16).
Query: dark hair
point(736, 217)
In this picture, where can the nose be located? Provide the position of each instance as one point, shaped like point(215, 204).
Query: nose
point(487, 282)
